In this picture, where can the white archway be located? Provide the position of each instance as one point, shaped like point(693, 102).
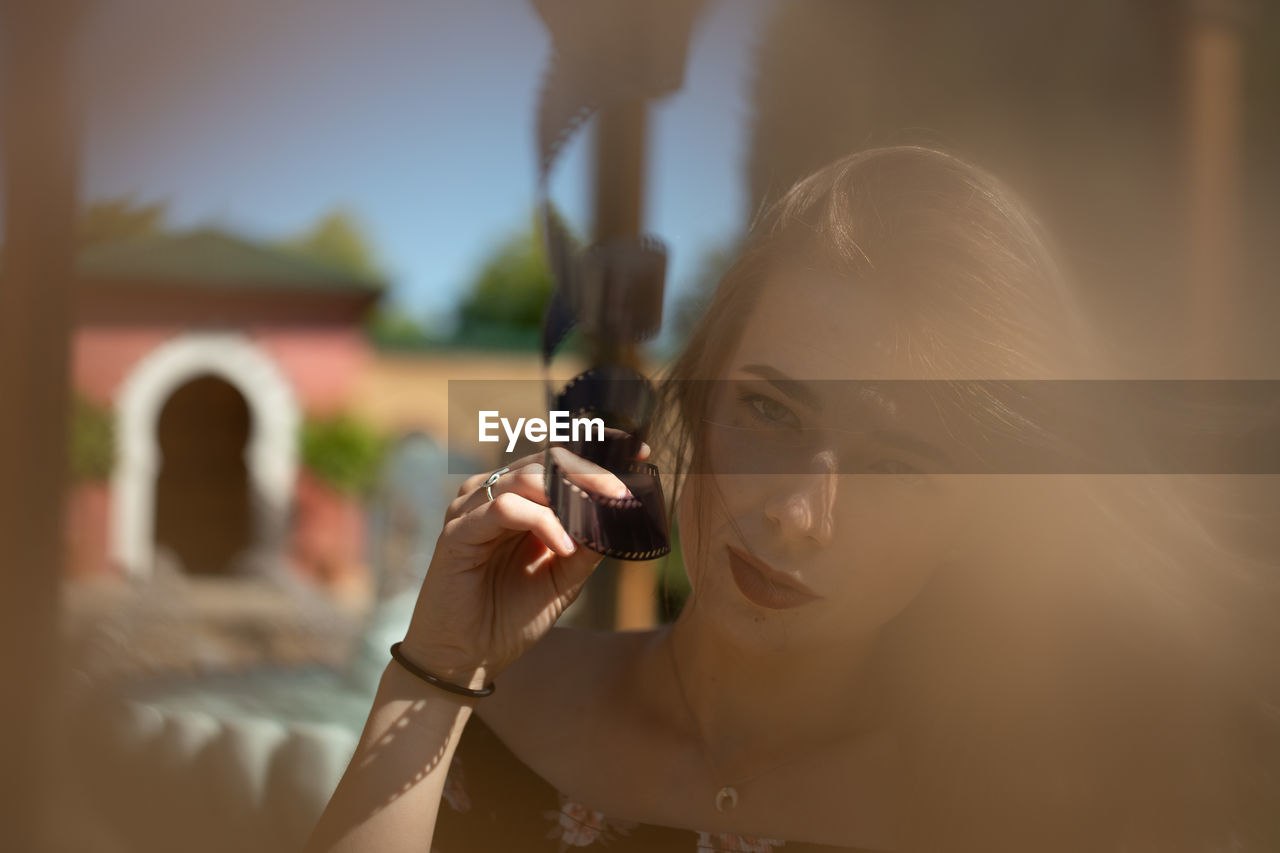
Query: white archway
point(271, 455)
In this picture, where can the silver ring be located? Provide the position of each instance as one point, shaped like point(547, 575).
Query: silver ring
point(493, 478)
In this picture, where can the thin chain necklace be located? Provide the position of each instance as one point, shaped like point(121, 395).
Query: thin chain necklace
point(727, 794)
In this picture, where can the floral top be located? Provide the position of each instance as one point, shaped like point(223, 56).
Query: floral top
point(494, 802)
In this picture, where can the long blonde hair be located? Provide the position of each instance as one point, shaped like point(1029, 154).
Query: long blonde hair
point(1104, 668)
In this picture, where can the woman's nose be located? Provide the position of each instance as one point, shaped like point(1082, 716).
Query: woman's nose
point(806, 508)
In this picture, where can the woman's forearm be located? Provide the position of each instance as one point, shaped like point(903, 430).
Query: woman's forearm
point(390, 793)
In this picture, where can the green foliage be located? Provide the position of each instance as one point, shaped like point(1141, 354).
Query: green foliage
point(120, 218)
point(508, 295)
point(93, 441)
point(343, 452)
point(673, 581)
point(496, 337)
point(388, 326)
point(338, 240)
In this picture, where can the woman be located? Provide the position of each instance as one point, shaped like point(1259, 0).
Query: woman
point(877, 653)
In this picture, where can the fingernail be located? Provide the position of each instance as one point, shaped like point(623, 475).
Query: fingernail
point(569, 545)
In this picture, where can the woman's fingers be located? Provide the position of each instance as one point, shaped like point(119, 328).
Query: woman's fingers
point(526, 477)
point(641, 454)
point(527, 482)
point(509, 512)
point(475, 481)
point(589, 475)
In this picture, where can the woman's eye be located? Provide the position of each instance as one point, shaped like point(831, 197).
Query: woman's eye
point(770, 411)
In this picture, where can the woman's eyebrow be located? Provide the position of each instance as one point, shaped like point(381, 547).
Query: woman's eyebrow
point(793, 388)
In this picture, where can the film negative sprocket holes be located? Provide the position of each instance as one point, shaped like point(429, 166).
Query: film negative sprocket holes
point(612, 291)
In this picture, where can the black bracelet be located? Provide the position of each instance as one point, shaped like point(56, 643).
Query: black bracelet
point(435, 680)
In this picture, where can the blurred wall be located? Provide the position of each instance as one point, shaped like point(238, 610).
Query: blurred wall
point(1084, 109)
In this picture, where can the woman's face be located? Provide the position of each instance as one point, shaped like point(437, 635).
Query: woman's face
point(824, 513)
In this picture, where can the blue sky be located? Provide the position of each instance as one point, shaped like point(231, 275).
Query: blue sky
point(415, 116)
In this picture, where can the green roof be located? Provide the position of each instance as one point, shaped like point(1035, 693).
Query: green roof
point(210, 257)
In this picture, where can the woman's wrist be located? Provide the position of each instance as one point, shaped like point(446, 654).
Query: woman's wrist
point(398, 683)
point(432, 665)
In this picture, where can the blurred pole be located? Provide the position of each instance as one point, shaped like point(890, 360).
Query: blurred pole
point(36, 268)
point(620, 142)
point(622, 596)
point(1213, 135)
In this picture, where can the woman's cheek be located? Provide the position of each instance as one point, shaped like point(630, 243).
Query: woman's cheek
point(890, 558)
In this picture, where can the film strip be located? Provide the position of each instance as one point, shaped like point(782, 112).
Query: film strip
point(606, 53)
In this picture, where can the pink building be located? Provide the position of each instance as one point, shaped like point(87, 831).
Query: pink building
point(209, 351)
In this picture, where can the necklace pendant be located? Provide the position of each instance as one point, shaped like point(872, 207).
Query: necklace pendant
point(728, 794)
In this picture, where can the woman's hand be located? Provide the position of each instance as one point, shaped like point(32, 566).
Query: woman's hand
point(503, 571)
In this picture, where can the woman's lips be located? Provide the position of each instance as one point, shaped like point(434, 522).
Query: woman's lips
point(764, 585)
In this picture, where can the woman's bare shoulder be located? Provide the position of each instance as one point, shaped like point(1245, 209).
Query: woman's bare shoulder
point(542, 701)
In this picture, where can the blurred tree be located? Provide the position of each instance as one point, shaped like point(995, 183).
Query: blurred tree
point(508, 296)
point(338, 239)
point(391, 326)
point(119, 218)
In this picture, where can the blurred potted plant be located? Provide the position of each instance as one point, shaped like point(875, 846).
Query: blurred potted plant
point(92, 458)
point(341, 458)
